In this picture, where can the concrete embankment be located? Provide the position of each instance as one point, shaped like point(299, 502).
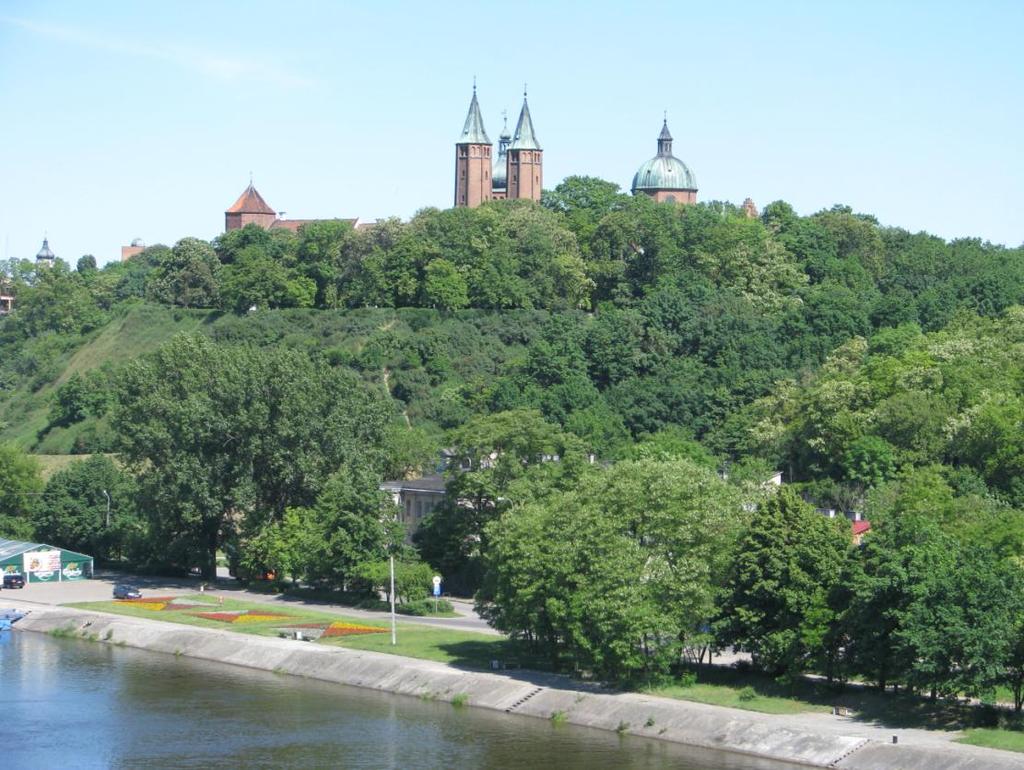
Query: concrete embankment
point(525, 694)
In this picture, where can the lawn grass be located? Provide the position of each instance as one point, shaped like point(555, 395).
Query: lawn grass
point(459, 648)
point(464, 649)
point(735, 697)
point(184, 617)
point(1008, 740)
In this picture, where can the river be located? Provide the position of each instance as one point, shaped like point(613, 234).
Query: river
point(70, 703)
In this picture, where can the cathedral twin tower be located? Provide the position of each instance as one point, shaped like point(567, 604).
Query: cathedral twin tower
point(517, 172)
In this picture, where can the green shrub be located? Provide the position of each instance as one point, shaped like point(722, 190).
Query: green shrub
point(423, 607)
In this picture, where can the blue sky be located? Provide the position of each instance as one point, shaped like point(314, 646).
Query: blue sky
point(125, 119)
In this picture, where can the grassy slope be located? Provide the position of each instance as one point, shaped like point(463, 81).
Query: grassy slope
point(995, 739)
point(469, 348)
point(735, 697)
point(462, 648)
point(141, 329)
point(51, 464)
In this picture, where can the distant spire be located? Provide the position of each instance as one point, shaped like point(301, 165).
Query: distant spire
point(665, 139)
point(525, 138)
point(473, 132)
point(45, 253)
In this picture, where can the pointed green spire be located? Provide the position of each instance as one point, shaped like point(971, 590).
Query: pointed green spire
point(474, 132)
point(524, 137)
point(665, 139)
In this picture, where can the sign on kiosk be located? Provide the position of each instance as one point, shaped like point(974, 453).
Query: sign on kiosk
point(42, 566)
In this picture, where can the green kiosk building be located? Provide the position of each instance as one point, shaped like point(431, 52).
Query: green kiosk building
point(42, 563)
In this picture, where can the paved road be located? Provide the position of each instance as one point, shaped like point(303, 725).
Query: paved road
point(100, 589)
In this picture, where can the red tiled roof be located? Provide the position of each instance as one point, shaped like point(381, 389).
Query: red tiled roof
point(250, 202)
point(860, 527)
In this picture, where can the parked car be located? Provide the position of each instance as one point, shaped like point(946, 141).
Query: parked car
point(125, 591)
point(14, 580)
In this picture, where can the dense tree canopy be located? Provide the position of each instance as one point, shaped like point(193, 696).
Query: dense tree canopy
point(225, 440)
point(612, 379)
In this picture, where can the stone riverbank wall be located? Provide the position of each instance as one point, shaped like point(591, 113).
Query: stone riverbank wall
point(526, 694)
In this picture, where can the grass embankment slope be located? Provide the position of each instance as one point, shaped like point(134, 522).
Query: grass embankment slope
point(458, 648)
point(1008, 740)
point(420, 355)
point(141, 329)
point(719, 687)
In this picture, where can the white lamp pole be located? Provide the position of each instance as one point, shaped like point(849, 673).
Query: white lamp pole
point(394, 640)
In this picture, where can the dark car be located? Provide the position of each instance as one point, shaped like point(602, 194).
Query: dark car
point(125, 591)
point(14, 580)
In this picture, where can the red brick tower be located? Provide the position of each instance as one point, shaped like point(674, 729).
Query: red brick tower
point(250, 208)
point(473, 160)
point(525, 175)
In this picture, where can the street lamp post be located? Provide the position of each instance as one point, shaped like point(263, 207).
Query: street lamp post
point(394, 639)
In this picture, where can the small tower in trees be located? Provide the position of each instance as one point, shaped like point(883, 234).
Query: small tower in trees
point(473, 160)
point(525, 175)
point(250, 208)
point(45, 257)
point(664, 177)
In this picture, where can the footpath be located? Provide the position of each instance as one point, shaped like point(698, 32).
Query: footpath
point(817, 740)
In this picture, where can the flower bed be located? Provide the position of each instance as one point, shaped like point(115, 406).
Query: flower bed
point(242, 617)
point(255, 617)
point(223, 617)
point(153, 606)
point(144, 599)
point(351, 629)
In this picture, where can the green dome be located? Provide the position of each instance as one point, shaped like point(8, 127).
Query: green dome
point(664, 172)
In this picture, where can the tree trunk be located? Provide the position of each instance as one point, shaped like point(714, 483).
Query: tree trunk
point(210, 568)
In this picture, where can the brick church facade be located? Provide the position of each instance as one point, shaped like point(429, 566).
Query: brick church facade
point(516, 172)
point(518, 169)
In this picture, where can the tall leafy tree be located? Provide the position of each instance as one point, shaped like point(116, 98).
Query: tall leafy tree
point(619, 574)
point(20, 485)
point(225, 439)
point(90, 507)
point(188, 275)
point(777, 597)
point(497, 460)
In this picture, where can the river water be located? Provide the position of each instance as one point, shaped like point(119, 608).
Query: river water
point(70, 703)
